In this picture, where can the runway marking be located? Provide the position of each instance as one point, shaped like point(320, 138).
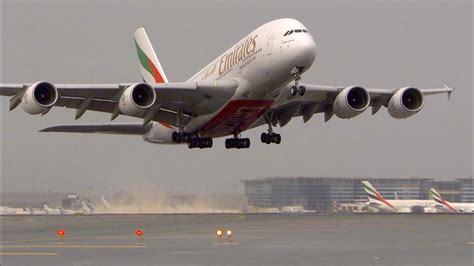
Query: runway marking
point(29, 253)
point(184, 252)
point(470, 243)
point(75, 246)
point(225, 243)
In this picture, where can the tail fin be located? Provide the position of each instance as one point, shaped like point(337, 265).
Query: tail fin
point(374, 195)
point(150, 66)
point(439, 199)
point(46, 207)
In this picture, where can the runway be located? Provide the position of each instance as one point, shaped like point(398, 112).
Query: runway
point(258, 239)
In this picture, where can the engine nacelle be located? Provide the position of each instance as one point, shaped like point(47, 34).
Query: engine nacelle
point(136, 99)
point(159, 134)
point(405, 103)
point(351, 101)
point(39, 98)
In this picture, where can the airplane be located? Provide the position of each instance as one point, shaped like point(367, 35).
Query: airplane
point(87, 207)
point(450, 206)
point(58, 211)
point(254, 83)
point(379, 203)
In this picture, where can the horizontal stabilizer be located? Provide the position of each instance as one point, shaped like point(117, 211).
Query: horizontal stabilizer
point(122, 129)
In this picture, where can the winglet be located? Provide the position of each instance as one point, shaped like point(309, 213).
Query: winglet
point(150, 66)
point(450, 90)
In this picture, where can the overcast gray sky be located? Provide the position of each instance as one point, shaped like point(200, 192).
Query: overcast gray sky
point(381, 45)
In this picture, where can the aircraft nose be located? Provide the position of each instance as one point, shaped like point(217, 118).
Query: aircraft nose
point(306, 51)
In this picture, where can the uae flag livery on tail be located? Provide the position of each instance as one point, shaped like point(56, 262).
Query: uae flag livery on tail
point(150, 66)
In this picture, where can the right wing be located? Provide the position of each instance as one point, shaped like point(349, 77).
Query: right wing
point(191, 98)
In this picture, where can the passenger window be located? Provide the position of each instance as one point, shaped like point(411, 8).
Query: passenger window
point(297, 31)
point(304, 30)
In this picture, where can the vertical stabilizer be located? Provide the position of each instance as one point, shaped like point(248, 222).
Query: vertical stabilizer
point(150, 66)
point(374, 195)
point(439, 199)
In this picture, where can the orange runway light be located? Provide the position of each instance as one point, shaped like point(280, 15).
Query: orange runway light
point(219, 234)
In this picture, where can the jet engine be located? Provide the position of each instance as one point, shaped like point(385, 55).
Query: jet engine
point(405, 103)
point(136, 99)
point(39, 98)
point(351, 101)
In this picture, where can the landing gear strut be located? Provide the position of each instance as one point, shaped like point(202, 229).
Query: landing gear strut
point(237, 143)
point(193, 140)
point(270, 137)
point(296, 89)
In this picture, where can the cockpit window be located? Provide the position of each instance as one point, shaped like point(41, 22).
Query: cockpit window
point(295, 31)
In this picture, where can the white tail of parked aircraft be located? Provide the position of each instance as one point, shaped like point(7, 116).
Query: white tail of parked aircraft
point(255, 82)
point(445, 205)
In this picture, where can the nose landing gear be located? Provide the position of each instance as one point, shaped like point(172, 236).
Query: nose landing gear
point(296, 89)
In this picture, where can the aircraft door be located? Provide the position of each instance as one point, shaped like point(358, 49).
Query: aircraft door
point(269, 45)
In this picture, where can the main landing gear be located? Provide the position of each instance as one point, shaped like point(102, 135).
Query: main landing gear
point(237, 143)
point(296, 89)
point(270, 137)
point(193, 141)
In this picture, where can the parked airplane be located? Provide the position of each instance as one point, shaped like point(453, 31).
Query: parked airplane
point(378, 202)
point(255, 82)
point(450, 206)
point(58, 211)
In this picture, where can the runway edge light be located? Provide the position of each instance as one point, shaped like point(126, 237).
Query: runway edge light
point(61, 234)
point(139, 233)
point(219, 234)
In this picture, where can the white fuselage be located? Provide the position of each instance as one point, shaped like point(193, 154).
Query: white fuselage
point(401, 205)
point(261, 62)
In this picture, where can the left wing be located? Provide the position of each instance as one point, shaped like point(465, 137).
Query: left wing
point(347, 102)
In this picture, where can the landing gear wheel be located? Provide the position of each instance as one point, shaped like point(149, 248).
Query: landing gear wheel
point(293, 90)
point(301, 90)
point(276, 138)
point(237, 143)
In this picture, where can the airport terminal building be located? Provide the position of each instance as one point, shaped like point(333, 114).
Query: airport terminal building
point(325, 193)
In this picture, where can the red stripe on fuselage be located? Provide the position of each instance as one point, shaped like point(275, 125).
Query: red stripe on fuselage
point(236, 116)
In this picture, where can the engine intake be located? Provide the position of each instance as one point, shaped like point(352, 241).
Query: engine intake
point(137, 98)
point(405, 103)
point(39, 97)
point(351, 101)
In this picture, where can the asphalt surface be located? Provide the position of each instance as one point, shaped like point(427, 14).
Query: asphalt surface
point(266, 239)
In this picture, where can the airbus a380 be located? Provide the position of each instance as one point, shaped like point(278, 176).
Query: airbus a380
point(378, 202)
point(445, 205)
point(255, 82)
